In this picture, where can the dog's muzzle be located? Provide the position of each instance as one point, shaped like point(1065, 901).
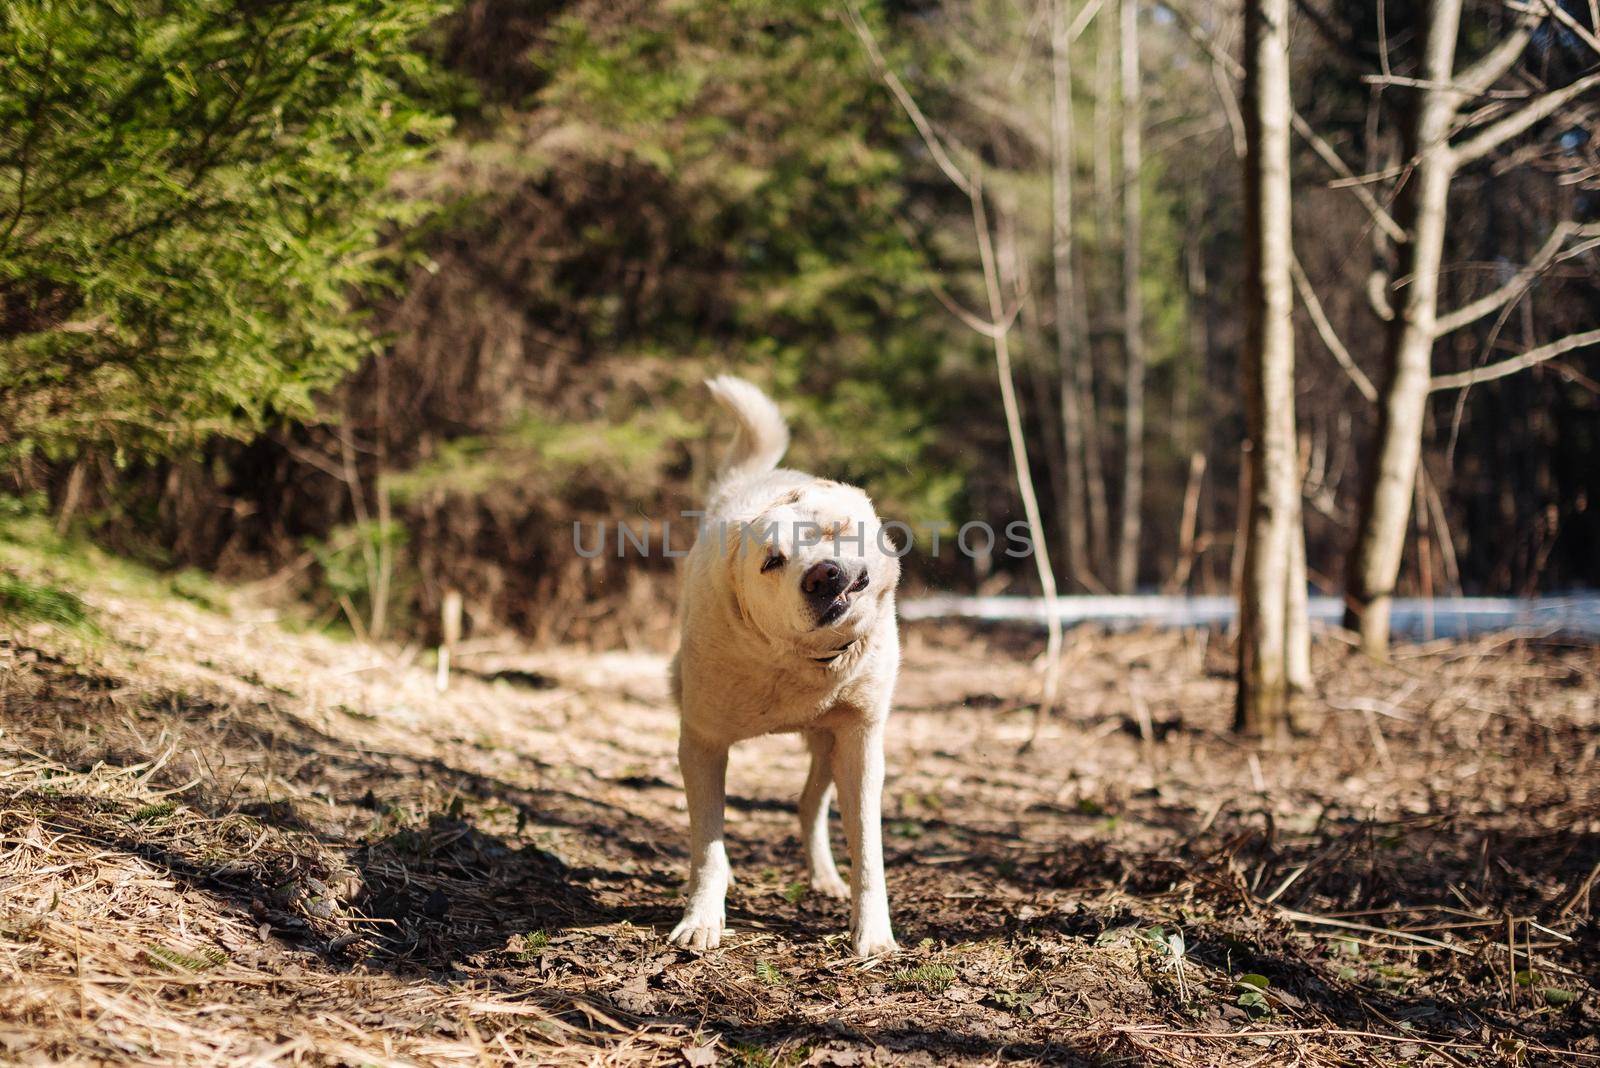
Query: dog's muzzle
point(827, 586)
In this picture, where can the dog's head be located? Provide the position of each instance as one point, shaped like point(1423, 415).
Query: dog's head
point(815, 568)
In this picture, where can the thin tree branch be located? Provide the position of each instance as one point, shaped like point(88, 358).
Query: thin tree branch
point(971, 321)
point(1563, 16)
point(957, 176)
point(1025, 49)
point(1487, 68)
point(1576, 250)
point(1345, 50)
point(975, 323)
point(1383, 38)
point(1472, 311)
point(1516, 363)
point(1378, 296)
point(999, 336)
point(1372, 177)
point(1405, 82)
point(1230, 107)
point(1330, 337)
point(1521, 120)
point(1319, 145)
point(1085, 16)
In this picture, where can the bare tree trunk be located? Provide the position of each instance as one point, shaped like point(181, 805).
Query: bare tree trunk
point(1186, 524)
point(1132, 305)
point(1387, 487)
point(1105, 198)
point(1070, 343)
point(1094, 475)
point(1297, 624)
point(1270, 633)
point(71, 496)
point(1014, 279)
point(1241, 534)
point(1197, 361)
point(999, 336)
point(1412, 295)
point(1105, 89)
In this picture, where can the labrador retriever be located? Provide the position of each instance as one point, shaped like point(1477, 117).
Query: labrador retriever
point(788, 626)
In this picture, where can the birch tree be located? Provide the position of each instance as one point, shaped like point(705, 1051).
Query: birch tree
point(1132, 304)
point(1409, 299)
point(1104, 91)
point(1273, 640)
point(1072, 334)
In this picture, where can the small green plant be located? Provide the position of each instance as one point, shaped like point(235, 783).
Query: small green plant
point(768, 974)
point(357, 571)
point(177, 960)
point(154, 813)
point(748, 1055)
point(1252, 994)
point(1113, 935)
point(527, 947)
point(928, 978)
point(22, 506)
point(197, 588)
point(30, 602)
point(1016, 1001)
point(1395, 976)
point(794, 892)
point(1172, 946)
point(912, 801)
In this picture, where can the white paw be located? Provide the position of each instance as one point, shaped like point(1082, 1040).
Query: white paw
point(871, 940)
point(697, 932)
point(830, 885)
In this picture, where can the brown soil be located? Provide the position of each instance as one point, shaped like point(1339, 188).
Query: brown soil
point(224, 843)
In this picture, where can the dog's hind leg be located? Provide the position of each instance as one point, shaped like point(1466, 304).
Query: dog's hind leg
point(705, 770)
point(814, 801)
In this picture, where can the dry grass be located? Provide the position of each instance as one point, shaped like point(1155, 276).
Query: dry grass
point(220, 842)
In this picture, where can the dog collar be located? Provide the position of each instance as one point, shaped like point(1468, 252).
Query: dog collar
point(837, 653)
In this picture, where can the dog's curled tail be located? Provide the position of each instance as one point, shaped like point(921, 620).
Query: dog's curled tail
point(762, 434)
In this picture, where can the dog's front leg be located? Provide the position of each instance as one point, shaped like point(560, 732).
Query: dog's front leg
point(705, 768)
point(858, 776)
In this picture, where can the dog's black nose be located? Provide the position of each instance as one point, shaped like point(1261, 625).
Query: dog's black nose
point(823, 581)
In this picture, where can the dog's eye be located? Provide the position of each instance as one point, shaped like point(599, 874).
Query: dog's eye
point(773, 560)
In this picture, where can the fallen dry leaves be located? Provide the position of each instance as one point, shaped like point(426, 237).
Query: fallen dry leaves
point(224, 843)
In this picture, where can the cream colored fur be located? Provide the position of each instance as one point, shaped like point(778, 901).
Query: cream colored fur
point(754, 660)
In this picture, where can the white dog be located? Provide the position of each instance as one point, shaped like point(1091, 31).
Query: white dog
point(788, 625)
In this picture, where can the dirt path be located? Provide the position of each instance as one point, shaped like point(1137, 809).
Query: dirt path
point(224, 843)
